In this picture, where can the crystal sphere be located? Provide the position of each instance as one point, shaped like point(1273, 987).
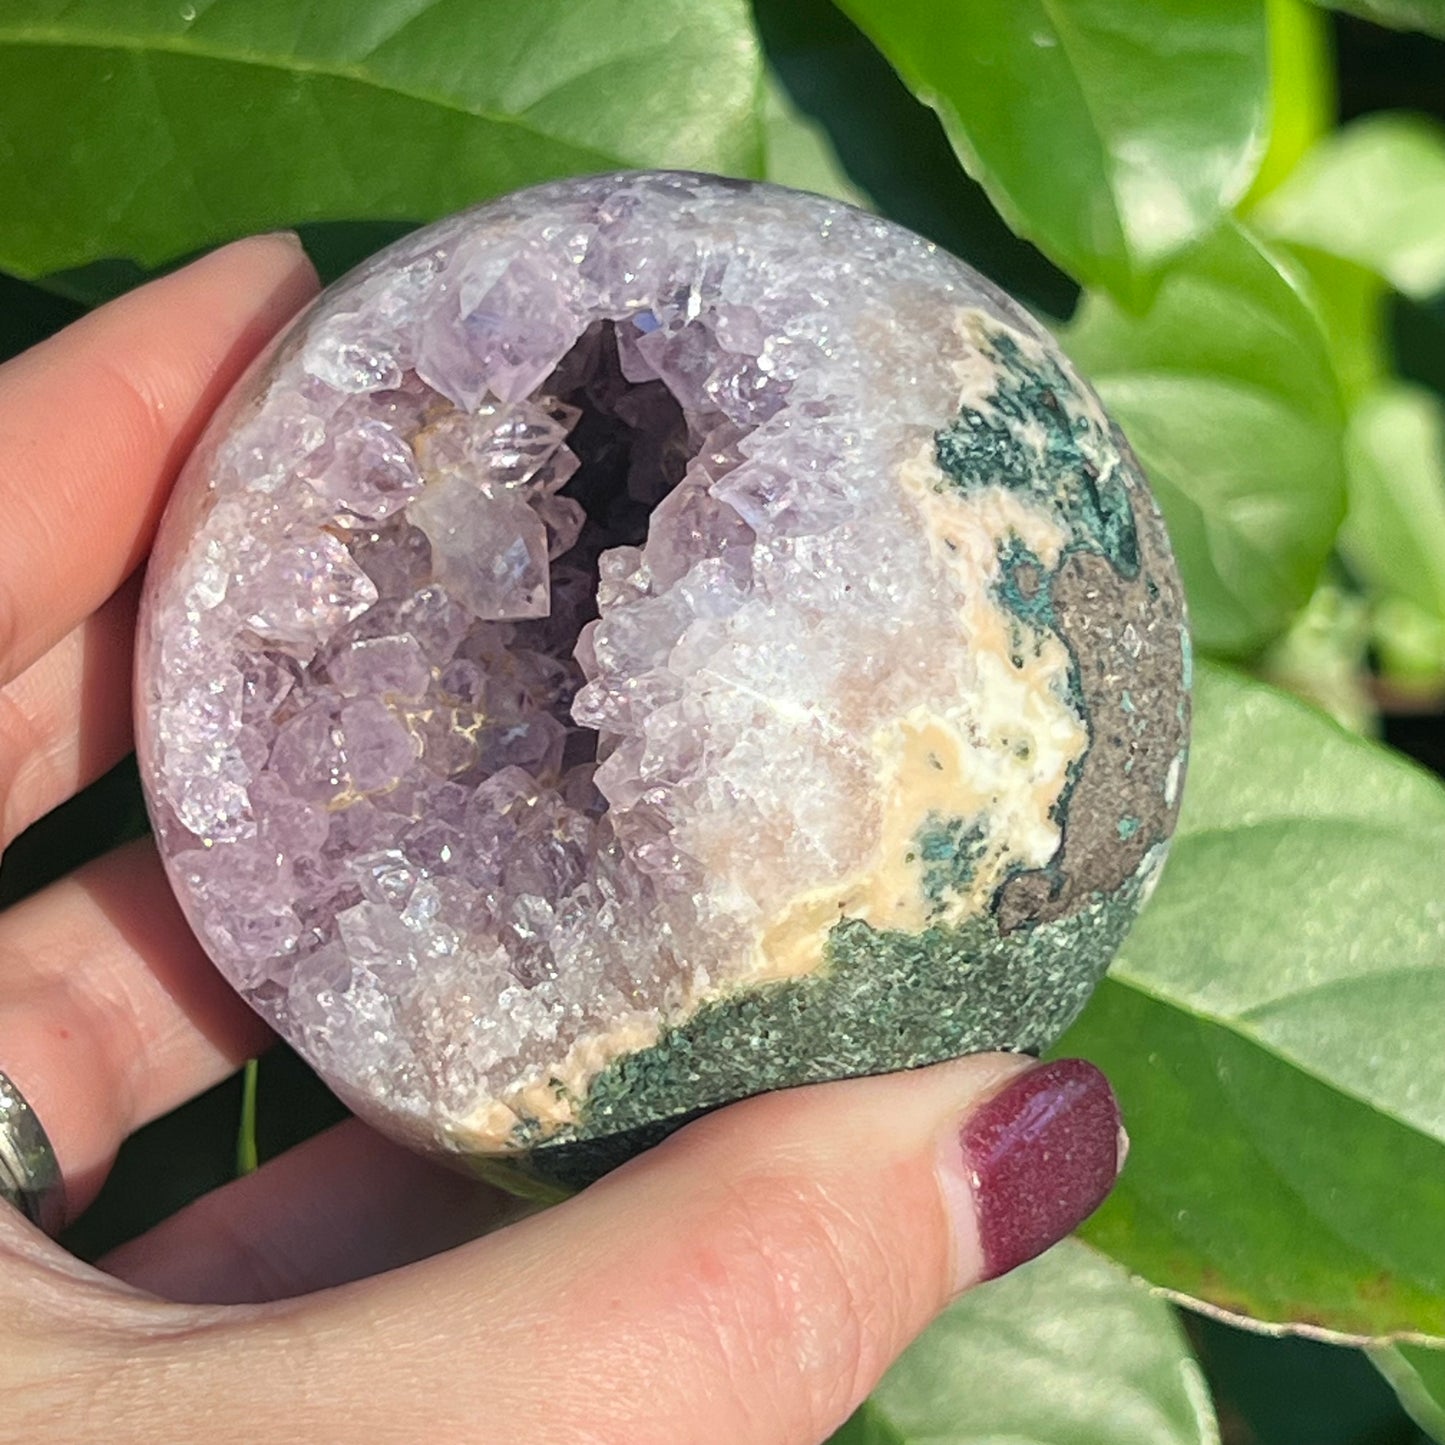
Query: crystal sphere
point(648, 640)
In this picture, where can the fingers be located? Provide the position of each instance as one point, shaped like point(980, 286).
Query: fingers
point(340, 1207)
point(96, 421)
point(747, 1282)
point(66, 719)
point(110, 1015)
point(108, 1012)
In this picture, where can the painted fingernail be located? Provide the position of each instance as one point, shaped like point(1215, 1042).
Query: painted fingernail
point(1040, 1156)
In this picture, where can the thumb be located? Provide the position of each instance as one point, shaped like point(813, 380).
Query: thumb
point(747, 1281)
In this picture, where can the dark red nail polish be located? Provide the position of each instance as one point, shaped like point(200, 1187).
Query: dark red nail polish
point(1041, 1155)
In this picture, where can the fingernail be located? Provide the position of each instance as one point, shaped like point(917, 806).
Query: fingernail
point(1039, 1157)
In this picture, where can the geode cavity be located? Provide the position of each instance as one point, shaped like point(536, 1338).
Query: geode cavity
point(652, 639)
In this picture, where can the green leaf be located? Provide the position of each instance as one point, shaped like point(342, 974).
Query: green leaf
point(1068, 1348)
point(1394, 534)
point(1424, 15)
point(895, 149)
point(1418, 1378)
point(1111, 133)
point(1301, 90)
point(1411, 646)
point(867, 1425)
point(1271, 1027)
point(1226, 389)
point(1352, 304)
point(146, 128)
point(1324, 657)
point(799, 152)
point(1373, 193)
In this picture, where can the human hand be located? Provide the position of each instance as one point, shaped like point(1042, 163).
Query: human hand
point(747, 1281)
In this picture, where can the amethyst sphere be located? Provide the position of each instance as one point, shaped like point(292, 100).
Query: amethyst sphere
point(650, 639)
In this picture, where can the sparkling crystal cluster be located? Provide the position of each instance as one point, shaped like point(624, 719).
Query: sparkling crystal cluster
point(574, 622)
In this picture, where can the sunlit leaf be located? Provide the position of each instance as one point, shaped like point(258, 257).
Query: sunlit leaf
point(1068, 1348)
point(1301, 90)
point(1227, 390)
point(1374, 194)
point(1394, 534)
point(1268, 1029)
point(1112, 133)
point(147, 129)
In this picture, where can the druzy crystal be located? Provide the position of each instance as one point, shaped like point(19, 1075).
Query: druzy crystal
point(651, 638)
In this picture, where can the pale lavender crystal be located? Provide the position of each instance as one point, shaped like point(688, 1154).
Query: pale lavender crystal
point(367, 470)
point(516, 644)
point(381, 667)
point(304, 590)
point(525, 439)
point(497, 341)
point(564, 518)
point(396, 557)
point(352, 361)
point(266, 679)
point(689, 525)
point(289, 826)
point(378, 749)
point(489, 549)
point(308, 755)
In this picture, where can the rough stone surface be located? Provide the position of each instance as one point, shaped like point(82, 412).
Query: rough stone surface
point(650, 639)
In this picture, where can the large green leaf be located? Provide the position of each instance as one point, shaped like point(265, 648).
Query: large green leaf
point(799, 151)
point(1394, 537)
point(1372, 193)
point(1418, 1377)
point(1272, 1028)
point(1226, 389)
point(1394, 534)
point(1352, 303)
point(147, 128)
point(1068, 1348)
point(895, 149)
point(1112, 133)
point(1426, 15)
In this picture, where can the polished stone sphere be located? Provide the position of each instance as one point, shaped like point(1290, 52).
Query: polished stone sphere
point(651, 639)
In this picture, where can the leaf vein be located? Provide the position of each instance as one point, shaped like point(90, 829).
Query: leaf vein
point(1236, 1025)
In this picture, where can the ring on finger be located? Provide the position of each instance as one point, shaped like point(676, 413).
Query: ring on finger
point(30, 1177)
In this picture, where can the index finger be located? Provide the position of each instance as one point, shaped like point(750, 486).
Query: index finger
point(96, 422)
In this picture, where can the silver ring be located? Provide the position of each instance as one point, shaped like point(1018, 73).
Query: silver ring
point(29, 1171)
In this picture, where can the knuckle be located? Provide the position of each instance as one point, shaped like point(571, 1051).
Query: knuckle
point(29, 773)
point(136, 396)
point(10, 630)
point(807, 1315)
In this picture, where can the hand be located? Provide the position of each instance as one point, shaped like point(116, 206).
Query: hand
point(747, 1281)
